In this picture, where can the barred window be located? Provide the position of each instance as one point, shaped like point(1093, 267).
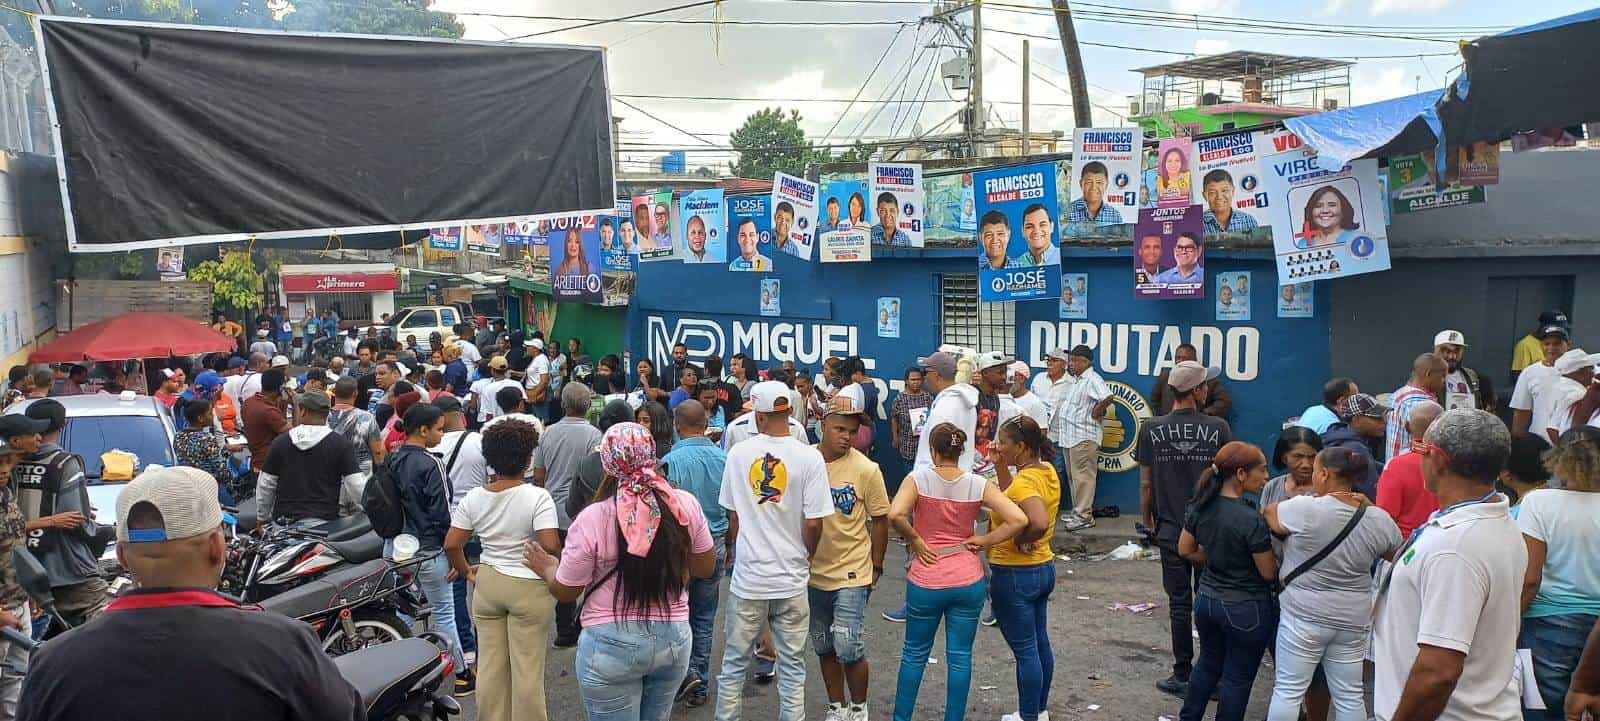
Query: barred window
point(964, 321)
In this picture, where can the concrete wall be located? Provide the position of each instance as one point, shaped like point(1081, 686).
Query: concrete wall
point(27, 295)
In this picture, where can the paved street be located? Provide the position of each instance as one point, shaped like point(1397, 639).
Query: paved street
point(1108, 658)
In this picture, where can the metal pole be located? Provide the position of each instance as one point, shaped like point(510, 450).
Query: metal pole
point(1025, 75)
point(978, 111)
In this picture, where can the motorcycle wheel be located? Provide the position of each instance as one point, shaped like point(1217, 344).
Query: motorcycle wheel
point(372, 628)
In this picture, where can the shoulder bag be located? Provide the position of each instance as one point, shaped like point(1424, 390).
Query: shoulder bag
point(1355, 519)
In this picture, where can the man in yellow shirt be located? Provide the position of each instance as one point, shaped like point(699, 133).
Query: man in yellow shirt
point(1527, 351)
point(221, 324)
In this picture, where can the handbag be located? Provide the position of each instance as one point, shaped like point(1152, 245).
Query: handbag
point(1355, 519)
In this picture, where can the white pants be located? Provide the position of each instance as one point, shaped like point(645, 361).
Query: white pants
point(1303, 645)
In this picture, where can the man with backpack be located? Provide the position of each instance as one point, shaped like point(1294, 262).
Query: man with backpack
point(461, 452)
point(54, 499)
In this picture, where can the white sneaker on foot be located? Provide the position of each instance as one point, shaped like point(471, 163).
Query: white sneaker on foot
point(856, 712)
point(1017, 716)
point(836, 712)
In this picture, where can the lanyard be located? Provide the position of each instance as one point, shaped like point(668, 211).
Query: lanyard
point(1417, 533)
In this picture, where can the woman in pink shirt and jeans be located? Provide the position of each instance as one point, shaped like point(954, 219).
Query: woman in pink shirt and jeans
point(935, 510)
point(634, 550)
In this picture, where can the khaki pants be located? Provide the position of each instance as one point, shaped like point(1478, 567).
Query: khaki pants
point(1081, 468)
point(513, 618)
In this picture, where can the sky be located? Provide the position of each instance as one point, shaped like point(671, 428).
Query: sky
point(1400, 46)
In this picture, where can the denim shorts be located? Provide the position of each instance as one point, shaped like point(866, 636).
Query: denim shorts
point(838, 622)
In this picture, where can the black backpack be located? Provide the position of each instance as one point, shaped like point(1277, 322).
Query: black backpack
point(381, 500)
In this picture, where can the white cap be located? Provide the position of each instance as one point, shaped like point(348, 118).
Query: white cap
point(534, 343)
point(1188, 375)
point(1451, 337)
point(848, 401)
point(279, 361)
point(990, 359)
point(769, 397)
point(185, 497)
point(1575, 360)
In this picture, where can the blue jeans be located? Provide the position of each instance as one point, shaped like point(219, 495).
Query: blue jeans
point(839, 622)
point(458, 591)
point(790, 622)
point(1233, 637)
point(630, 670)
point(433, 576)
point(1556, 642)
point(703, 613)
point(959, 607)
point(1021, 596)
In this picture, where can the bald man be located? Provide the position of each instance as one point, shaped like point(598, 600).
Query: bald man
point(1426, 384)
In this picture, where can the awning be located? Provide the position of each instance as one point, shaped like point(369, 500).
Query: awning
point(1349, 133)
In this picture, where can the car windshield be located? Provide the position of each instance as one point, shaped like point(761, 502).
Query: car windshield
point(143, 436)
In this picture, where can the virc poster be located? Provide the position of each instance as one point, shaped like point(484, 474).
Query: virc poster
point(1105, 179)
point(897, 202)
point(1169, 254)
point(704, 240)
point(575, 259)
point(1018, 254)
point(794, 215)
point(1327, 222)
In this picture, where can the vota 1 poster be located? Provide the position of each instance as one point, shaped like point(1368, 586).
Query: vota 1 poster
point(1018, 257)
point(1169, 254)
point(794, 215)
point(1105, 179)
point(897, 203)
point(652, 225)
point(1173, 156)
point(704, 240)
point(575, 259)
point(1227, 175)
point(844, 205)
point(1330, 221)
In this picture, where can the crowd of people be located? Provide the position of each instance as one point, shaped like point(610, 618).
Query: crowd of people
point(1414, 538)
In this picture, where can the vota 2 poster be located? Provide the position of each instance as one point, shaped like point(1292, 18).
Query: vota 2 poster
point(575, 259)
point(1018, 256)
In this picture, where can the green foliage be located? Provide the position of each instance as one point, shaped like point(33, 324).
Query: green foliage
point(858, 153)
point(771, 140)
point(234, 280)
point(376, 17)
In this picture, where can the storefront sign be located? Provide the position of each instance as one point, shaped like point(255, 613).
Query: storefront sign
point(341, 283)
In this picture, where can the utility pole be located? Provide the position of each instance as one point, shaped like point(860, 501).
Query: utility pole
point(978, 111)
point(1027, 63)
point(1082, 114)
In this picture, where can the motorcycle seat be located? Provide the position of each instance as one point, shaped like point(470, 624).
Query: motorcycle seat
point(323, 593)
point(344, 528)
point(359, 549)
point(385, 674)
point(245, 515)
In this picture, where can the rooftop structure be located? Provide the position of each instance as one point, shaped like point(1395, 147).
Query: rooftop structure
point(1236, 89)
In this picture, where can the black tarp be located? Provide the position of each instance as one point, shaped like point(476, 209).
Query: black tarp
point(175, 135)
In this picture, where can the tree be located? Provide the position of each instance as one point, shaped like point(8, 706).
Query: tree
point(857, 153)
point(376, 17)
point(770, 141)
point(234, 280)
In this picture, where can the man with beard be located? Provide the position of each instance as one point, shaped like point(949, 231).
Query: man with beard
point(1463, 386)
point(1038, 231)
point(1149, 265)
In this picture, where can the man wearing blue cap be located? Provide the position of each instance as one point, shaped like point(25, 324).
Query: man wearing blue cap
point(207, 386)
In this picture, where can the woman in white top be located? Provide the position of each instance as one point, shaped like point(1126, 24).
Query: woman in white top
point(511, 606)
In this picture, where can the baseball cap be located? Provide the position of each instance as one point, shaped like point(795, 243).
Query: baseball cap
point(171, 372)
point(1188, 375)
point(279, 361)
point(1361, 404)
point(50, 411)
point(941, 362)
point(261, 333)
point(237, 362)
point(1056, 354)
point(847, 402)
point(186, 499)
point(447, 404)
point(989, 360)
point(1575, 360)
point(207, 381)
point(312, 401)
point(498, 363)
point(1550, 330)
point(1450, 337)
point(534, 343)
point(1019, 367)
point(19, 424)
point(1082, 351)
point(1553, 317)
point(769, 397)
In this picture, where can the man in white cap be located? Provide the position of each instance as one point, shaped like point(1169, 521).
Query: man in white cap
point(745, 427)
point(1574, 373)
point(280, 361)
point(989, 375)
point(1021, 400)
point(263, 344)
point(953, 402)
point(536, 379)
point(776, 491)
point(1554, 341)
point(154, 642)
point(1463, 386)
point(485, 397)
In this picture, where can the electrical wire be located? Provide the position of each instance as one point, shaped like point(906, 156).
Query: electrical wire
point(594, 22)
point(658, 119)
point(851, 103)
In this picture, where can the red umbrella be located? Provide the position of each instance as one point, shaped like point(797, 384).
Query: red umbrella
point(133, 335)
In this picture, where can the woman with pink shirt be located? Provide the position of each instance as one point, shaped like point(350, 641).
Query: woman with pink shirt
point(633, 550)
point(946, 577)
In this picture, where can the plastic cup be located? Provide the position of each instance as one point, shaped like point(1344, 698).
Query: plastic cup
point(405, 546)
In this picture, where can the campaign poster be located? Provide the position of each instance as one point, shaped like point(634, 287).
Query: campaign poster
point(844, 205)
point(849, 245)
point(626, 239)
point(704, 240)
point(1474, 165)
point(1227, 174)
point(575, 259)
point(888, 317)
point(652, 226)
point(520, 232)
point(897, 204)
point(614, 251)
point(1074, 296)
point(169, 264)
point(483, 239)
point(750, 228)
point(1295, 300)
point(794, 214)
point(1018, 256)
point(1330, 221)
point(968, 217)
point(771, 300)
point(1233, 296)
point(1105, 179)
point(448, 238)
point(1173, 157)
point(1413, 186)
point(1170, 254)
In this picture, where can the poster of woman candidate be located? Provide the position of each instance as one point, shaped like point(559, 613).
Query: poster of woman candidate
point(897, 204)
point(1104, 181)
point(844, 205)
point(1227, 178)
point(1169, 254)
point(575, 259)
point(1329, 223)
point(794, 215)
point(889, 317)
point(1018, 257)
point(703, 238)
point(652, 225)
point(771, 297)
point(1172, 172)
point(1295, 300)
point(1233, 296)
point(1074, 296)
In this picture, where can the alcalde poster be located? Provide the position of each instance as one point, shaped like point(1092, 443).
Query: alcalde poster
point(704, 241)
point(652, 225)
point(1018, 256)
point(1330, 221)
point(1105, 179)
point(1169, 254)
point(897, 204)
point(445, 238)
point(1413, 186)
point(575, 259)
point(1227, 178)
point(794, 214)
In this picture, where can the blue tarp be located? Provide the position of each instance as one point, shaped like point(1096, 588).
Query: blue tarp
point(1346, 134)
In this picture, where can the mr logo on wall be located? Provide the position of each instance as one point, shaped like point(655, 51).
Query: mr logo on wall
point(1119, 433)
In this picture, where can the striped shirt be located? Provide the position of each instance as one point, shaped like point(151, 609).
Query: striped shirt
point(1397, 435)
point(1072, 422)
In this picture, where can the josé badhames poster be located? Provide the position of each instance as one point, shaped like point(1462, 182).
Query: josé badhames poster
point(1018, 257)
point(1329, 221)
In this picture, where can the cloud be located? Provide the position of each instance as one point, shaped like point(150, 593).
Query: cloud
point(1380, 82)
point(1205, 7)
point(1211, 46)
point(1404, 7)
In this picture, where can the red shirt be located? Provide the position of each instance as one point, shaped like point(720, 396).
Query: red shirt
point(1402, 494)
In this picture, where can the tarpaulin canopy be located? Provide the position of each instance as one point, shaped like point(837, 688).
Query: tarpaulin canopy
point(171, 135)
point(1532, 78)
point(133, 335)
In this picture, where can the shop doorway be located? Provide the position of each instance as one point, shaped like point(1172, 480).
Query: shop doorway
point(1515, 303)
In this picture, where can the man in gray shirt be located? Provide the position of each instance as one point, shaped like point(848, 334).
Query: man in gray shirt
point(51, 491)
point(555, 464)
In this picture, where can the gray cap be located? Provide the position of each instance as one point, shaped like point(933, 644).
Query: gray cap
point(185, 497)
point(313, 402)
point(941, 362)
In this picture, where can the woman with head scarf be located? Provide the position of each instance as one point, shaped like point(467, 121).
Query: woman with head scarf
point(633, 552)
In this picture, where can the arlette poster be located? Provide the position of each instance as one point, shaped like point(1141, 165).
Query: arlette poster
point(1104, 181)
point(844, 205)
point(652, 225)
point(483, 239)
point(447, 238)
point(1173, 177)
point(1018, 254)
point(704, 240)
point(1227, 178)
point(1330, 221)
point(1413, 186)
point(575, 259)
point(614, 253)
point(1074, 296)
point(897, 204)
point(1169, 254)
point(1233, 296)
point(850, 245)
point(889, 317)
point(794, 215)
point(1296, 300)
point(771, 297)
point(169, 264)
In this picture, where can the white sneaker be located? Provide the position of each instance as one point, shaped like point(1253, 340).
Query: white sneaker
point(836, 712)
point(471, 657)
point(1017, 716)
point(857, 712)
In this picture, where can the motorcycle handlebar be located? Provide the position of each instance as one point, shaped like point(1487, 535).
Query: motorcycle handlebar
point(10, 633)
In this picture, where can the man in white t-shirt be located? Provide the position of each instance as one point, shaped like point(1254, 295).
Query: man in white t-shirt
point(469, 352)
point(1022, 400)
point(744, 428)
point(1553, 341)
point(536, 380)
point(460, 451)
point(488, 407)
point(952, 403)
point(776, 491)
point(1446, 615)
point(1574, 372)
point(246, 384)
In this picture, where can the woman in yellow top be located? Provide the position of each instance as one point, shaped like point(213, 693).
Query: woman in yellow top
point(1023, 569)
